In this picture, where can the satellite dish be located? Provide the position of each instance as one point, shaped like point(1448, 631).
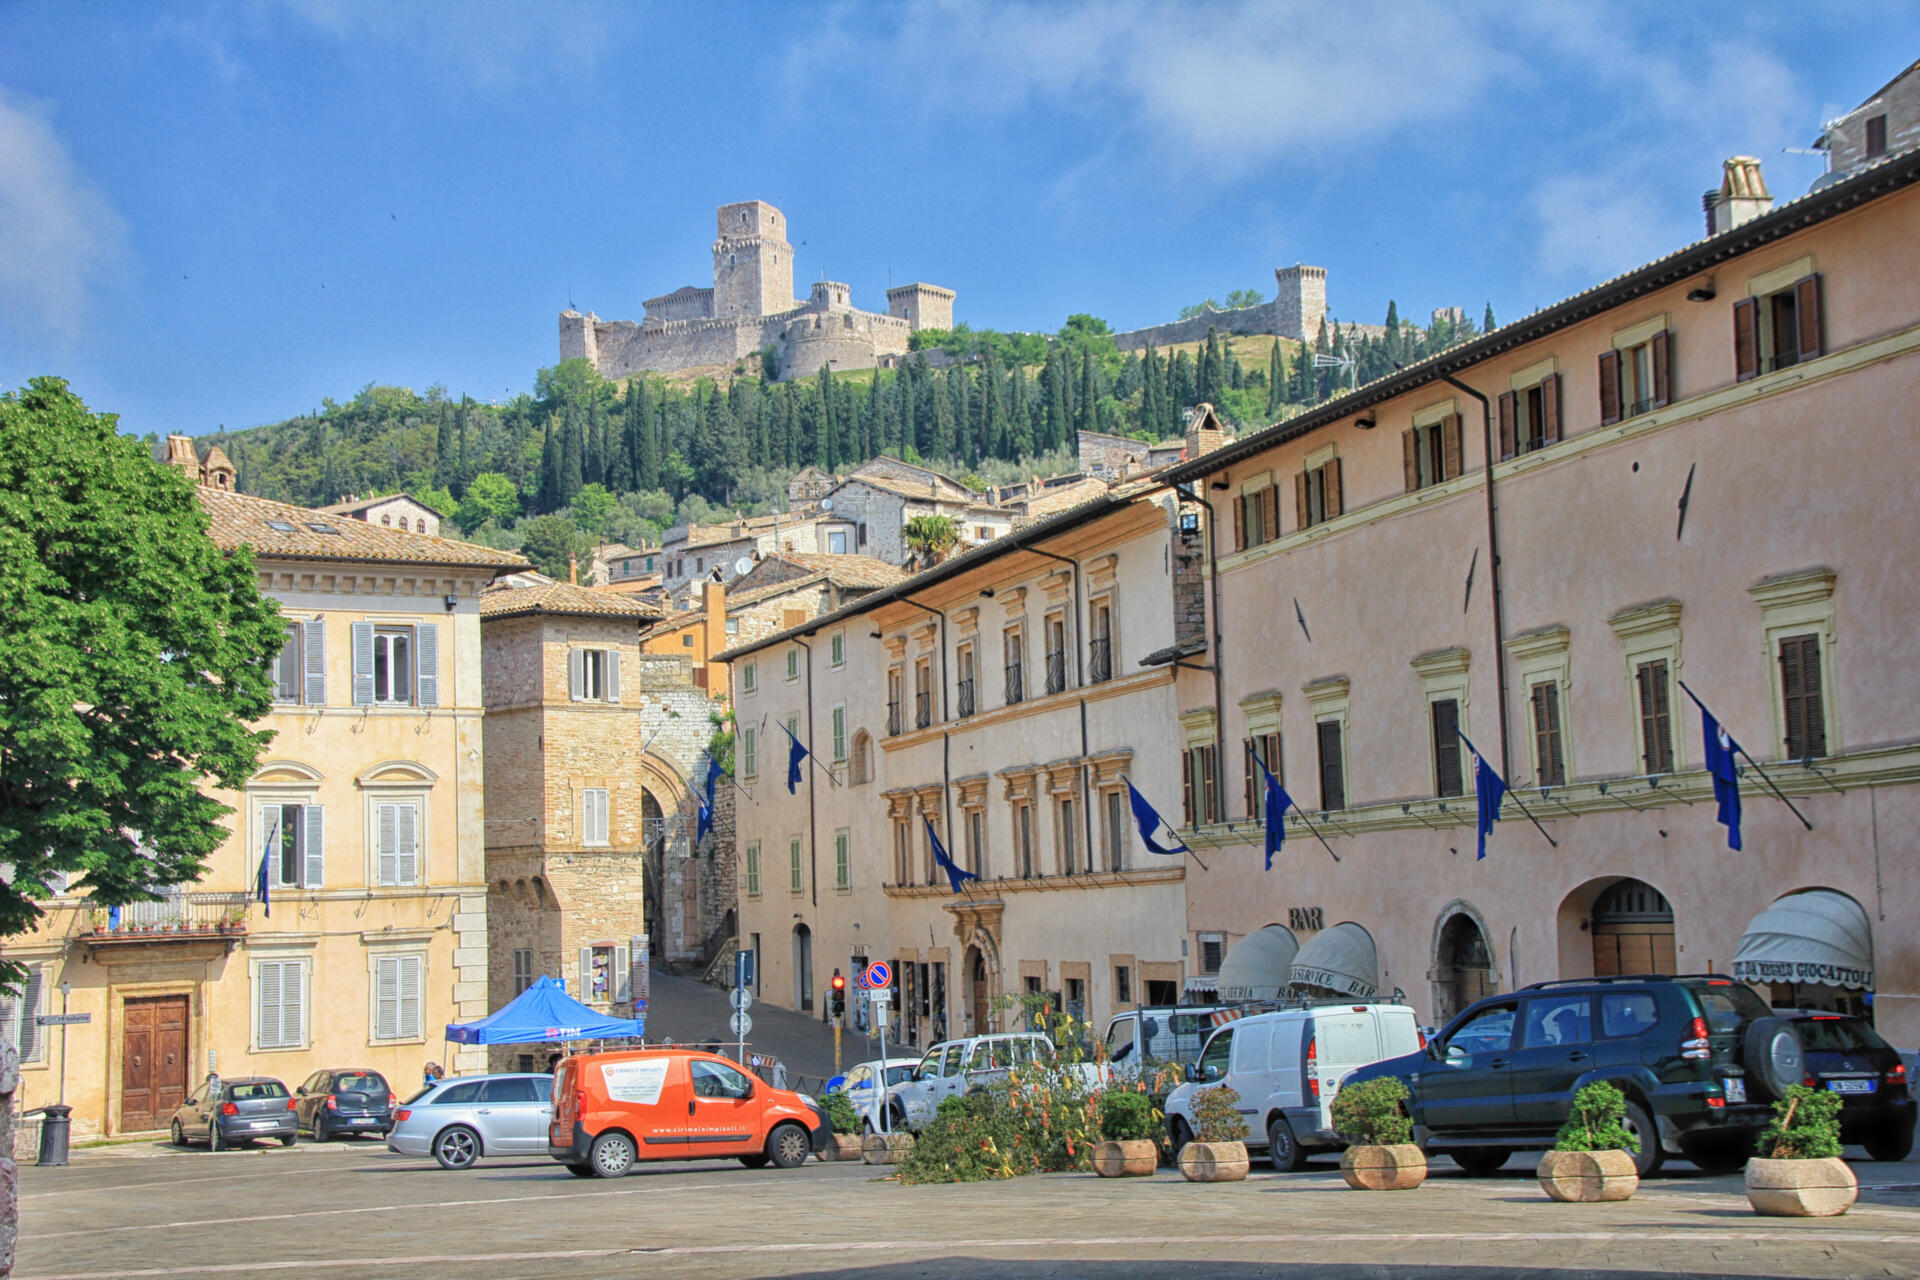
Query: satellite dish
point(742, 567)
point(826, 504)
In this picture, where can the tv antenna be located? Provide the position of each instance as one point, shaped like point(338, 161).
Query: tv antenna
point(1350, 367)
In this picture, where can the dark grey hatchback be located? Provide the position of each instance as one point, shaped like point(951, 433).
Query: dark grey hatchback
point(224, 1113)
point(336, 1103)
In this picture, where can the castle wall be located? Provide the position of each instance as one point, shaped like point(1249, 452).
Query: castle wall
point(849, 339)
point(1260, 319)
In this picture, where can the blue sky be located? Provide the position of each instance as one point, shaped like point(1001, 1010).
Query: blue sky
point(219, 214)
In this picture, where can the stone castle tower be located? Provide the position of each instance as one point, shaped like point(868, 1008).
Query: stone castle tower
point(1300, 302)
point(752, 262)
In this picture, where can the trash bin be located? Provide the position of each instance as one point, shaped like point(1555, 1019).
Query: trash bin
point(54, 1124)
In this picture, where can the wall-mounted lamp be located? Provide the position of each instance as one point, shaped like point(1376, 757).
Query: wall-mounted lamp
point(875, 634)
point(453, 602)
point(1366, 421)
point(1703, 293)
point(988, 593)
point(1219, 484)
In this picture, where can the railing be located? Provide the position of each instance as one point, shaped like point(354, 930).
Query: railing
point(965, 692)
point(176, 913)
point(1016, 685)
point(1056, 671)
point(1100, 660)
point(922, 709)
point(893, 719)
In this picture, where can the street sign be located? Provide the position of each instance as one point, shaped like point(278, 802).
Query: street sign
point(741, 999)
point(743, 968)
point(740, 1024)
point(61, 1019)
point(860, 979)
point(879, 975)
point(880, 1001)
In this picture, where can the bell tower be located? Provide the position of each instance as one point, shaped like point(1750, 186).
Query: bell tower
point(752, 262)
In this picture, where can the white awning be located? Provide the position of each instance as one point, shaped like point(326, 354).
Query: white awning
point(1197, 983)
point(1339, 959)
point(1816, 936)
point(1256, 968)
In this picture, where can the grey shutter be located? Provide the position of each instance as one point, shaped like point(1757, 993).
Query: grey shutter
point(406, 846)
point(267, 998)
point(622, 974)
point(576, 674)
point(315, 850)
point(613, 675)
point(585, 993)
point(427, 656)
point(363, 664)
point(31, 1046)
point(292, 1002)
point(386, 998)
point(389, 824)
point(408, 1014)
point(314, 642)
point(269, 823)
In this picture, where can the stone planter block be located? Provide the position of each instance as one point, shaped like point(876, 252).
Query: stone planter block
point(1400, 1167)
point(887, 1148)
point(1137, 1158)
point(1585, 1177)
point(843, 1146)
point(1213, 1161)
point(1801, 1188)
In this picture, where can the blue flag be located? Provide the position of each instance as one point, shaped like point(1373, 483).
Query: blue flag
point(704, 823)
point(1277, 804)
point(1489, 789)
point(956, 874)
point(113, 917)
point(1151, 824)
point(796, 755)
point(1726, 780)
point(265, 877)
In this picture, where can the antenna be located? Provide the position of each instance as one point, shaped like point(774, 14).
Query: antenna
point(1344, 361)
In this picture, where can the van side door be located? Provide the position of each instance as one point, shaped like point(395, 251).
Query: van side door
point(723, 1116)
point(1249, 1076)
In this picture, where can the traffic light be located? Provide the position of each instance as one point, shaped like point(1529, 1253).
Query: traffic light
point(839, 994)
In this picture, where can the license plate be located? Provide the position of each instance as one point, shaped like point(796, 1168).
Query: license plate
point(1736, 1090)
point(1849, 1086)
point(265, 1124)
point(362, 1120)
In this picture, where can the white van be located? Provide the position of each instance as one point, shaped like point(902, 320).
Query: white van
point(1286, 1067)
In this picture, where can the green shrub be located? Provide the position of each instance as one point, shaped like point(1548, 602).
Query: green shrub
point(1216, 1115)
point(1127, 1116)
point(841, 1116)
point(1805, 1126)
point(970, 1139)
point(1597, 1122)
point(1372, 1113)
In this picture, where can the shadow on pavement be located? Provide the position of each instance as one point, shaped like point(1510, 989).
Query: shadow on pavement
point(952, 1268)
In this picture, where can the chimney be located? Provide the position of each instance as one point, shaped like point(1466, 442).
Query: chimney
point(573, 569)
point(180, 454)
point(1204, 433)
point(1742, 196)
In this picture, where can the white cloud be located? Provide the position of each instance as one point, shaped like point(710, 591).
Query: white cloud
point(477, 45)
point(58, 235)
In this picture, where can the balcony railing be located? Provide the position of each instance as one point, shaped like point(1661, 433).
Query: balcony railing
point(1100, 660)
point(178, 914)
point(965, 696)
point(893, 719)
point(922, 709)
point(1056, 671)
point(1016, 684)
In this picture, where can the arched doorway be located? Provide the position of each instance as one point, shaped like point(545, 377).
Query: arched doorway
point(1463, 967)
point(803, 968)
point(976, 971)
point(653, 835)
point(1632, 930)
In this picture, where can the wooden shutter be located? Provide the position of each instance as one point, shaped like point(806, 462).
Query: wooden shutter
point(313, 640)
point(586, 976)
point(1410, 457)
point(1333, 785)
point(1252, 791)
point(1660, 347)
point(269, 823)
point(1806, 305)
point(1746, 339)
point(386, 998)
point(411, 975)
point(314, 846)
point(1546, 733)
point(1240, 522)
point(1801, 696)
point(1186, 786)
point(266, 1018)
point(1209, 785)
point(1446, 748)
point(622, 973)
point(1270, 512)
point(1451, 446)
point(1550, 408)
point(613, 675)
point(1509, 413)
point(426, 656)
point(1609, 387)
point(406, 846)
point(363, 664)
point(1300, 501)
point(389, 824)
point(1335, 496)
point(1655, 726)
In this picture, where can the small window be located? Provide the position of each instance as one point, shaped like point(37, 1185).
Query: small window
point(1201, 785)
point(1123, 985)
point(1876, 136)
point(279, 1004)
point(1778, 329)
point(1447, 779)
point(397, 986)
point(1432, 452)
point(753, 871)
point(837, 649)
point(324, 528)
point(749, 677)
point(749, 752)
point(594, 824)
point(1213, 949)
point(522, 969)
point(510, 1089)
point(842, 860)
point(280, 526)
point(1530, 417)
point(1627, 1013)
point(387, 520)
point(393, 666)
point(793, 664)
point(464, 1094)
point(837, 542)
point(1333, 766)
point(1636, 379)
point(1801, 697)
point(595, 675)
point(794, 880)
point(1548, 752)
point(1317, 494)
point(1558, 1020)
point(1262, 749)
point(1656, 728)
point(397, 832)
point(287, 667)
point(718, 1080)
point(839, 721)
point(1256, 516)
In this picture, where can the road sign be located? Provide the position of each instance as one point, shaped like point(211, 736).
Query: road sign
point(61, 1019)
point(879, 975)
point(860, 979)
point(740, 1024)
point(743, 965)
point(880, 1001)
point(741, 999)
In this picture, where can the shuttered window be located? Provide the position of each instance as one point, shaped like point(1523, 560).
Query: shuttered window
point(522, 969)
point(292, 841)
point(753, 871)
point(1257, 516)
point(1431, 454)
point(398, 831)
point(1636, 379)
point(842, 860)
point(397, 982)
point(279, 1020)
point(593, 675)
point(750, 677)
point(1801, 697)
point(1333, 773)
point(1656, 729)
point(1318, 495)
point(1547, 750)
point(1264, 748)
point(594, 815)
point(287, 667)
point(1200, 791)
point(1447, 779)
point(1530, 417)
point(795, 883)
point(749, 752)
point(17, 1014)
point(1779, 329)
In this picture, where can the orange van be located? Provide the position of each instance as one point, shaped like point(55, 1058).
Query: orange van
point(613, 1109)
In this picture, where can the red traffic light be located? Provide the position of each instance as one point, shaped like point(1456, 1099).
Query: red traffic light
point(839, 983)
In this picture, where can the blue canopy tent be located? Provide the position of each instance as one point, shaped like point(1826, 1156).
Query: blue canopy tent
point(545, 1013)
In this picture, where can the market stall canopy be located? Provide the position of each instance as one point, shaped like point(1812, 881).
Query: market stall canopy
point(1256, 968)
point(544, 1013)
point(1816, 936)
point(1340, 959)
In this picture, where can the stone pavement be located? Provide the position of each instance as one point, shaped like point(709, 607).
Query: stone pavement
point(357, 1212)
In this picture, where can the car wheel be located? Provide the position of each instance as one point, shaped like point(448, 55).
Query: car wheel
point(457, 1147)
point(1718, 1156)
point(788, 1146)
point(579, 1170)
point(611, 1155)
point(897, 1117)
point(1773, 1056)
point(1282, 1151)
point(1640, 1125)
point(1182, 1135)
point(758, 1160)
point(1480, 1162)
point(1890, 1146)
point(288, 1140)
point(178, 1134)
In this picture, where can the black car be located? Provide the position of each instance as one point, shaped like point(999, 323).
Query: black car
point(225, 1113)
point(1698, 1058)
point(1845, 1055)
point(341, 1101)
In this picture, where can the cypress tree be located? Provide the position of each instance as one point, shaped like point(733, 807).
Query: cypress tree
point(1019, 414)
point(445, 451)
point(548, 491)
point(644, 424)
point(948, 407)
point(1276, 381)
point(1487, 324)
point(1088, 418)
point(572, 460)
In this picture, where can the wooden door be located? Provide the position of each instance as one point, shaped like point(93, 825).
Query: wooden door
point(153, 1073)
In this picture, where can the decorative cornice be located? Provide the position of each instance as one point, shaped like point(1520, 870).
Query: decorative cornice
point(1646, 619)
point(1539, 643)
point(1439, 662)
point(1786, 590)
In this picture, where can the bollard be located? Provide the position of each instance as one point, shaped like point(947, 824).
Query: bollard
point(54, 1124)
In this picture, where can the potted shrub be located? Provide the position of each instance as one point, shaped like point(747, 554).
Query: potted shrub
point(1218, 1153)
point(1380, 1155)
point(845, 1143)
point(1592, 1154)
point(1797, 1171)
point(1129, 1132)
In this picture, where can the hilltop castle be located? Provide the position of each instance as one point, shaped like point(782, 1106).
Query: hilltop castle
point(750, 308)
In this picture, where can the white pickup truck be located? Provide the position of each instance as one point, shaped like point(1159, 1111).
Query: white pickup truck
point(956, 1067)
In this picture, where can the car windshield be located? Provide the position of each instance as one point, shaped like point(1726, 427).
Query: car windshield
point(256, 1089)
point(360, 1082)
point(1727, 1004)
point(1837, 1035)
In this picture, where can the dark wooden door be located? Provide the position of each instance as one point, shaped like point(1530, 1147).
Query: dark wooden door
point(153, 1079)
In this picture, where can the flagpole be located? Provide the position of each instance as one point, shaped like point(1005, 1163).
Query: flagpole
point(1530, 818)
point(1316, 834)
point(1779, 795)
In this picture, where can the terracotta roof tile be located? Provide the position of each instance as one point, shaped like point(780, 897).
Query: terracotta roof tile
point(846, 570)
point(279, 530)
point(561, 598)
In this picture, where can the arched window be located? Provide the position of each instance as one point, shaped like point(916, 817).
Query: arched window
point(1632, 930)
point(862, 758)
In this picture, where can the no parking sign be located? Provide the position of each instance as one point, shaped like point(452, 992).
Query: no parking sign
point(877, 976)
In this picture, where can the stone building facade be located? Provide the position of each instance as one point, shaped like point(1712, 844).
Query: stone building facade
point(751, 308)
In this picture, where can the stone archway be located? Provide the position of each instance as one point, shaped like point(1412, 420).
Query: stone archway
point(1614, 925)
point(980, 974)
point(1463, 969)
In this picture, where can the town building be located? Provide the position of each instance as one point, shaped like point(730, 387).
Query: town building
point(367, 811)
point(394, 511)
point(1886, 123)
point(1687, 481)
point(691, 554)
point(867, 512)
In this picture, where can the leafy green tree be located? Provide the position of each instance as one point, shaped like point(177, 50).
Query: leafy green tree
point(441, 500)
point(135, 656)
point(567, 384)
point(1239, 299)
point(932, 537)
point(1487, 323)
point(573, 450)
point(491, 496)
point(551, 542)
point(591, 508)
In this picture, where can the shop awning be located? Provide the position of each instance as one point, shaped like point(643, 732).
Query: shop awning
point(1200, 984)
point(1256, 968)
point(1816, 936)
point(1339, 959)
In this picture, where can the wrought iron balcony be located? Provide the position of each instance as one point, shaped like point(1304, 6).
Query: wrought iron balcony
point(177, 916)
point(893, 719)
point(965, 696)
point(1016, 684)
point(1056, 671)
point(1100, 660)
point(922, 709)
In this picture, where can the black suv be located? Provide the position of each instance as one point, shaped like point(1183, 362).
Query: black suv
point(1698, 1058)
